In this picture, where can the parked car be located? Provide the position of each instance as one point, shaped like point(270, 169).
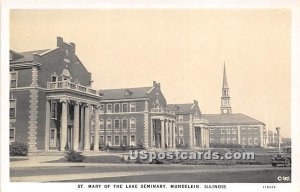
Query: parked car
point(283, 158)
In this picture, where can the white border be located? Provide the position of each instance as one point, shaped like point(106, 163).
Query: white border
point(221, 4)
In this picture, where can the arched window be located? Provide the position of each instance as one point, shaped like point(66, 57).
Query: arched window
point(66, 74)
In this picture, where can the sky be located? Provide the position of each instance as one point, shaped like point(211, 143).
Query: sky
point(183, 49)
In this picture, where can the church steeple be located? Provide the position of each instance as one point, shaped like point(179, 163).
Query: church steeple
point(225, 99)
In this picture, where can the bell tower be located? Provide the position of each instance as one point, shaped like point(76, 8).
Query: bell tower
point(225, 99)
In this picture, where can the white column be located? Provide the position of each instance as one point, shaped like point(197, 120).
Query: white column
point(151, 133)
point(47, 131)
point(81, 127)
point(76, 126)
point(208, 136)
point(174, 135)
point(87, 128)
point(167, 133)
point(171, 134)
point(96, 131)
point(162, 130)
point(63, 125)
point(239, 134)
point(202, 136)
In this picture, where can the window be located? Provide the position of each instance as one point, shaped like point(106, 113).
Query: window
point(12, 109)
point(52, 134)
point(117, 108)
point(211, 140)
point(222, 140)
point(132, 123)
point(250, 141)
point(255, 141)
point(180, 130)
point(117, 140)
point(233, 140)
point(53, 109)
point(101, 124)
point(228, 131)
point(52, 137)
point(132, 107)
point(101, 139)
point(109, 107)
point(102, 108)
point(233, 130)
point(228, 140)
point(13, 79)
point(180, 118)
point(10, 56)
point(117, 124)
point(211, 130)
point(108, 124)
point(125, 107)
point(108, 139)
point(11, 134)
point(132, 140)
point(244, 141)
point(125, 141)
point(53, 78)
point(124, 124)
point(222, 130)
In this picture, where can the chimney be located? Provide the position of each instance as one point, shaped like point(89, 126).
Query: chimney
point(72, 47)
point(60, 41)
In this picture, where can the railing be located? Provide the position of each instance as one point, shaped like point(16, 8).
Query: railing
point(162, 110)
point(202, 121)
point(73, 86)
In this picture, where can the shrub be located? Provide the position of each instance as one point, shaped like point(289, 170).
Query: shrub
point(18, 149)
point(74, 156)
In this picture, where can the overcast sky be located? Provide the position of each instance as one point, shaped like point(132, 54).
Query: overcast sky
point(184, 50)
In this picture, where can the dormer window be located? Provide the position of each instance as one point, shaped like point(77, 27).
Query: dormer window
point(10, 56)
point(127, 93)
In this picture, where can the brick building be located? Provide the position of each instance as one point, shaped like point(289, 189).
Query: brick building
point(51, 100)
point(191, 128)
point(53, 107)
point(136, 115)
point(233, 128)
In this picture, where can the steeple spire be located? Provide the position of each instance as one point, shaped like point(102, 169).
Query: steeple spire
point(225, 99)
point(225, 83)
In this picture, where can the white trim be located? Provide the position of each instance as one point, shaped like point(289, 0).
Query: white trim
point(14, 136)
point(16, 74)
point(15, 116)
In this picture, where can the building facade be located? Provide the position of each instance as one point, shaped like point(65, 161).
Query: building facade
point(191, 128)
point(136, 115)
point(51, 100)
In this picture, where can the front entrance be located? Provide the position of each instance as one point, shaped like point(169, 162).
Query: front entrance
point(197, 136)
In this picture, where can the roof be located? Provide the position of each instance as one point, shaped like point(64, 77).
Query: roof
point(181, 108)
point(114, 94)
point(230, 119)
point(27, 56)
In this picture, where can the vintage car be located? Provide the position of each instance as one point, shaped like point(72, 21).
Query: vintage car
point(283, 158)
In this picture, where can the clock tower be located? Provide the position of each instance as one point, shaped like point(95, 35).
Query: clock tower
point(225, 99)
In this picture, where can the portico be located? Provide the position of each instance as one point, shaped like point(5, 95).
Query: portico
point(201, 133)
point(162, 131)
point(69, 109)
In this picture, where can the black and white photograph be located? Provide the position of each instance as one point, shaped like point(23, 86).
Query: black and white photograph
point(149, 96)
